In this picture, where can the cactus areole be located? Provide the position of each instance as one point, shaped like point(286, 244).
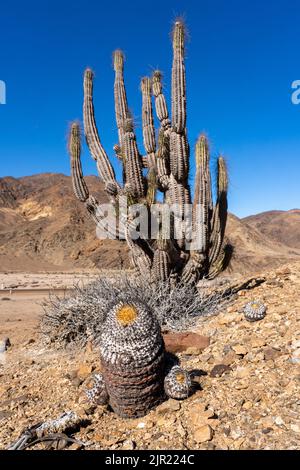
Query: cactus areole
point(165, 169)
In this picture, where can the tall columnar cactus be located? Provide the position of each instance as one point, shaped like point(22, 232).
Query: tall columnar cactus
point(165, 168)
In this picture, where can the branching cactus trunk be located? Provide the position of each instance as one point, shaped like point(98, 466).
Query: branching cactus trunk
point(188, 251)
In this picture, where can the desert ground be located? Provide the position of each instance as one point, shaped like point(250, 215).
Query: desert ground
point(247, 375)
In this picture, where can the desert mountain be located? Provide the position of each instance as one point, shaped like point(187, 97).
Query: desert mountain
point(281, 226)
point(44, 227)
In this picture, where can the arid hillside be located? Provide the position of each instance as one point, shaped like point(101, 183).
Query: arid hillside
point(281, 226)
point(44, 228)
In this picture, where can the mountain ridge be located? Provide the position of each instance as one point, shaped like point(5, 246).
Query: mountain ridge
point(44, 227)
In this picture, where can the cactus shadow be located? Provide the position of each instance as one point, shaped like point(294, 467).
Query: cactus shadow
point(228, 255)
point(196, 385)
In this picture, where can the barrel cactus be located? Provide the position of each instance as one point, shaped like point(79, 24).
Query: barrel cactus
point(178, 383)
point(255, 311)
point(164, 169)
point(134, 367)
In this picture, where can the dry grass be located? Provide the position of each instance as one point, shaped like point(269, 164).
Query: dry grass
point(79, 317)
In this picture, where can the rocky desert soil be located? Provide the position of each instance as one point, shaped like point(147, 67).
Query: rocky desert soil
point(247, 378)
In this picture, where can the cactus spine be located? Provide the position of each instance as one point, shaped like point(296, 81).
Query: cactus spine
point(165, 168)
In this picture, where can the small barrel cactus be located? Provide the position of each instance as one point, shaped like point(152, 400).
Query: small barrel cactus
point(136, 371)
point(255, 310)
point(178, 383)
point(132, 357)
point(96, 391)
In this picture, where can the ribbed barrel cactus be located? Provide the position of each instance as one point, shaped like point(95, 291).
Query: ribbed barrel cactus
point(135, 372)
point(165, 170)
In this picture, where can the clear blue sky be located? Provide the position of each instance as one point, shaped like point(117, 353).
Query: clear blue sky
point(241, 59)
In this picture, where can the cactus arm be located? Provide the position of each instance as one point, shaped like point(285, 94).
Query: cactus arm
point(141, 260)
point(179, 148)
point(121, 105)
point(163, 160)
point(178, 195)
point(202, 205)
point(220, 213)
point(133, 162)
point(160, 271)
point(80, 188)
point(160, 101)
point(118, 152)
point(179, 156)
point(218, 266)
point(151, 187)
point(178, 80)
point(79, 185)
point(149, 140)
point(161, 267)
point(147, 120)
point(163, 151)
point(201, 214)
point(104, 166)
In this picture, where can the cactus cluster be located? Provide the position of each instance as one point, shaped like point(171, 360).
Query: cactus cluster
point(165, 168)
point(134, 374)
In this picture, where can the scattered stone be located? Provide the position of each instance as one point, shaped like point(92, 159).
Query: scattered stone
point(295, 344)
point(169, 405)
point(242, 372)
point(295, 428)
point(230, 358)
point(294, 360)
point(270, 354)
point(75, 446)
point(192, 351)
point(240, 350)
point(229, 318)
point(72, 374)
point(283, 271)
point(166, 421)
point(257, 342)
point(200, 415)
point(128, 445)
point(180, 342)
point(203, 434)
point(84, 370)
point(267, 430)
point(219, 369)
point(4, 345)
point(279, 421)
point(247, 405)
point(5, 414)
point(296, 353)
point(141, 425)
point(76, 382)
